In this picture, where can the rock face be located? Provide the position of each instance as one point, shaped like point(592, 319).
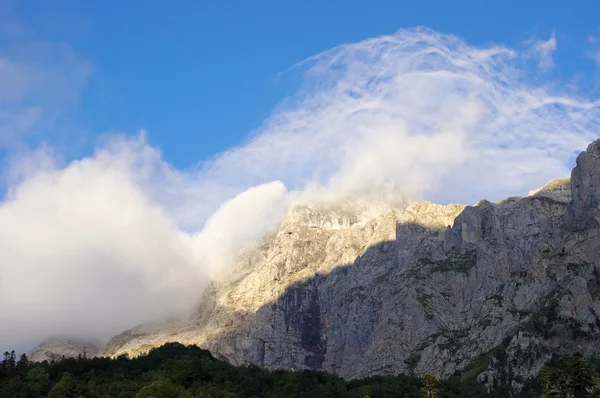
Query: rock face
point(584, 210)
point(55, 349)
point(416, 289)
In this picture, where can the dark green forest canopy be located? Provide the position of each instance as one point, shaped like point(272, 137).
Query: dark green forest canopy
point(175, 370)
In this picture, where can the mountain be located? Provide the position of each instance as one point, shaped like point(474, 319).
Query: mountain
point(53, 349)
point(492, 289)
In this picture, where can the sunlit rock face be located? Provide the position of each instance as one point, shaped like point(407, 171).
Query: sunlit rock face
point(417, 288)
point(54, 349)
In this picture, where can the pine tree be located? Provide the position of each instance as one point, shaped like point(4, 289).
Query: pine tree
point(562, 377)
point(9, 359)
point(547, 377)
point(7, 366)
point(22, 365)
point(580, 377)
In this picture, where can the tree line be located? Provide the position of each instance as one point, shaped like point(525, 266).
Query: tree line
point(177, 371)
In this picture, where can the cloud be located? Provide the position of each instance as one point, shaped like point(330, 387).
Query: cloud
point(544, 49)
point(417, 112)
point(237, 224)
point(88, 250)
point(98, 244)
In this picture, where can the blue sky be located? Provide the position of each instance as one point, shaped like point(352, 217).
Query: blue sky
point(199, 76)
point(248, 108)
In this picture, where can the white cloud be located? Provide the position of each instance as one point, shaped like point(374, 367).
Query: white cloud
point(237, 224)
point(544, 49)
point(87, 250)
point(419, 112)
point(416, 112)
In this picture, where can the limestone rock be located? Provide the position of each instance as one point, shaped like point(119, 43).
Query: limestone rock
point(584, 210)
point(558, 189)
point(416, 289)
point(54, 349)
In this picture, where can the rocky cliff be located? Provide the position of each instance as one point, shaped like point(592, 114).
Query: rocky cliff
point(491, 289)
point(53, 349)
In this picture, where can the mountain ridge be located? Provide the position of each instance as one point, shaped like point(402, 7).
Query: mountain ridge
point(423, 289)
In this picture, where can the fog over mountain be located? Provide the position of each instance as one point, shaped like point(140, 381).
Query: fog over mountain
point(94, 246)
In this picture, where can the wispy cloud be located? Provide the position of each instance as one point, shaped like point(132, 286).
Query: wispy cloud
point(544, 50)
point(415, 113)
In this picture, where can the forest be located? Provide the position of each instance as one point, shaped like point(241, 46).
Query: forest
point(178, 371)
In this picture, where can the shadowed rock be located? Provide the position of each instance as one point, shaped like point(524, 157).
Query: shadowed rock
point(417, 289)
point(584, 210)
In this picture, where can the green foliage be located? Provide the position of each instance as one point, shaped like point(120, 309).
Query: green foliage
point(163, 388)
point(430, 386)
point(546, 380)
point(65, 388)
point(568, 377)
point(580, 377)
point(177, 371)
point(38, 381)
point(14, 387)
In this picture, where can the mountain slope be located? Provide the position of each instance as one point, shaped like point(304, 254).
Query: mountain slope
point(54, 349)
point(413, 289)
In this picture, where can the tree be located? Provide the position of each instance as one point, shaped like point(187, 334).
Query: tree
point(9, 359)
point(570, 377)
point(547, 381)
point(65, 388)
point(580, 378)
point(38, 381)
point(22, 365)
point(596, 389)
point(7, 366)
point(162, 389)
point(561, 379)
point(14, 388)
point(430, 386)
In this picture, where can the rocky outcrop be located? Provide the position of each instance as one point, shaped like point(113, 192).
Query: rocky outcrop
point(584, 210)
point(54, 349)
point(416, 289)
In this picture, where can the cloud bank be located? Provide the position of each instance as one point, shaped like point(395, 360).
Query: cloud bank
point(99, 244)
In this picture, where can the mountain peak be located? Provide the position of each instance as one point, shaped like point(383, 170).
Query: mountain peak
point(55, 348)
point(366, 288)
